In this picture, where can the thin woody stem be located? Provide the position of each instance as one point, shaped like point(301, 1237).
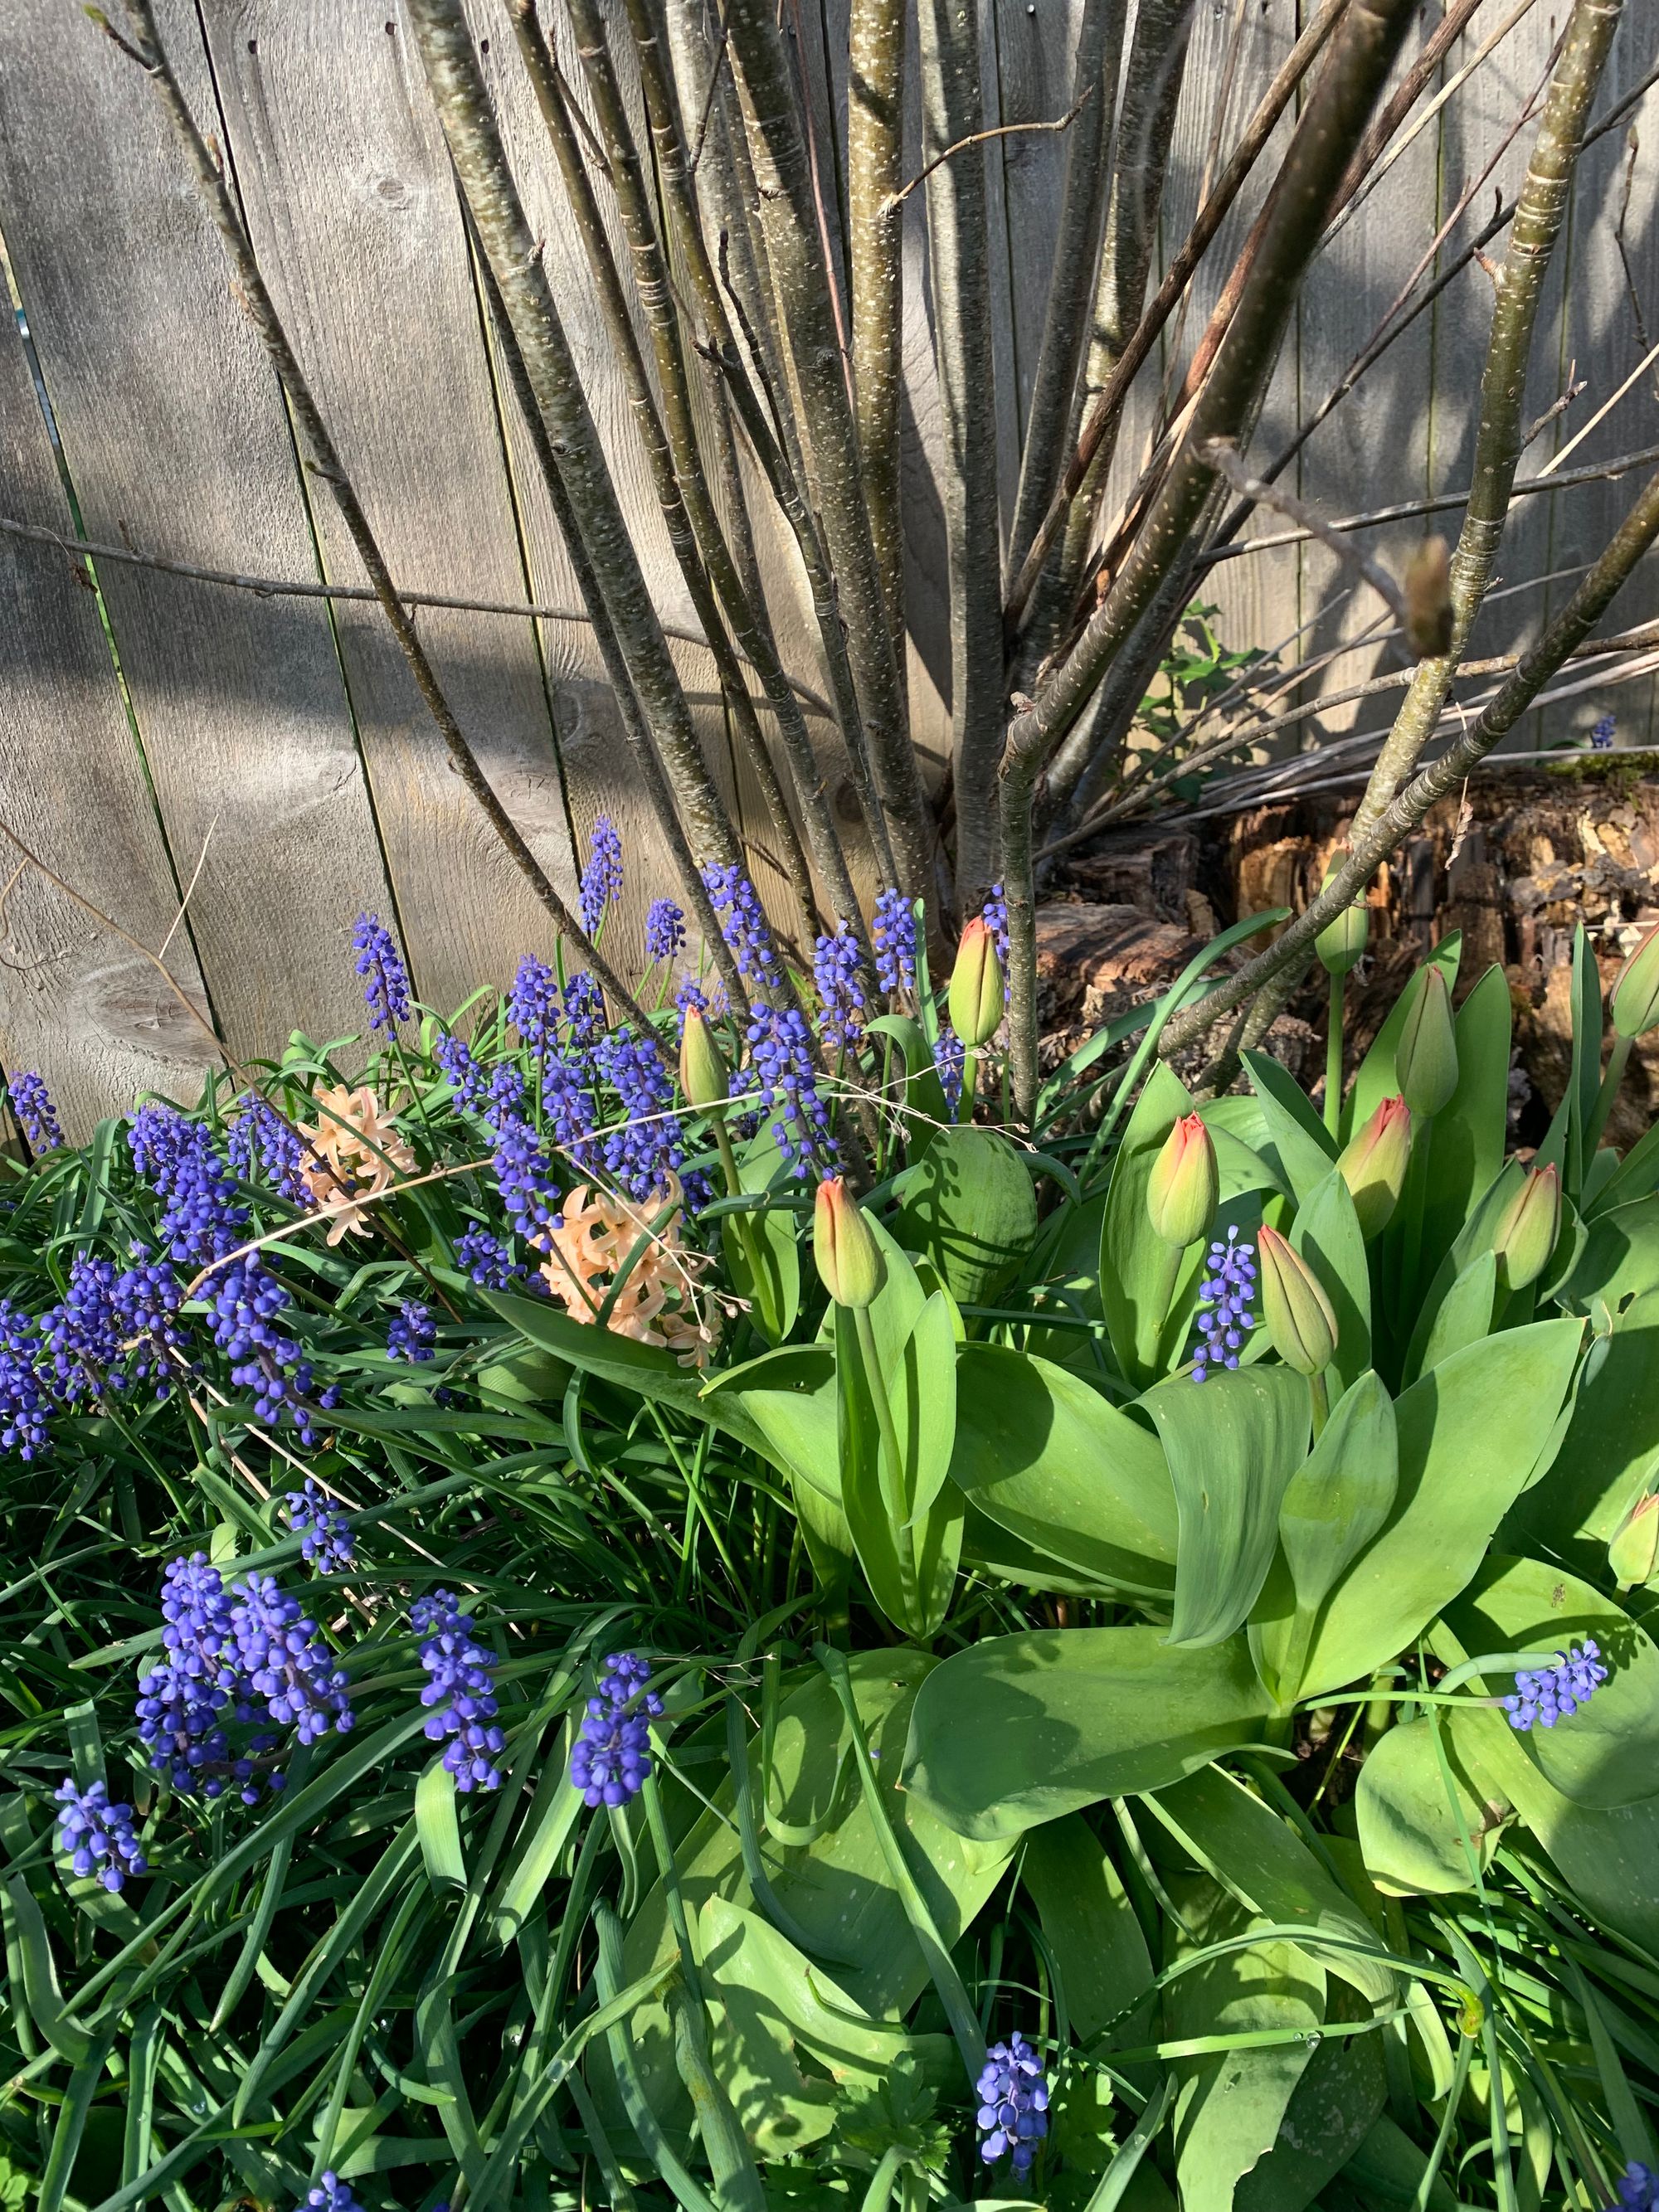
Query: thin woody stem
point(323, 462)
point(875, 89)
point(1500, 437)
point(1396, 821)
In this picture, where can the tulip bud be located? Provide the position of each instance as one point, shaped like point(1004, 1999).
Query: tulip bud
point(703, 1075)
point(849, 1261)
point(1633, 1554)
point(976, 995)
point(1184, 1185)
point(1425, 1058)
point(1526, 1234)
point(1300, 1324)
point(1374, 1163)
point(1635, 993)
point(1342, 943)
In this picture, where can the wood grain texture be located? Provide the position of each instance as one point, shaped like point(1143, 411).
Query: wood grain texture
point(76, 1003)
point(175, 437)
point(352, 206)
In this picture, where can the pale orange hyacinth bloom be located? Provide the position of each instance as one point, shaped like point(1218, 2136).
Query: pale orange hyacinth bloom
point(353, 1153)
point(656, 1304)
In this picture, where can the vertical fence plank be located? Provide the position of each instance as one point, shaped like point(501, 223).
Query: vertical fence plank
point(85, 1009)
point(174, 435)
point(353, 210)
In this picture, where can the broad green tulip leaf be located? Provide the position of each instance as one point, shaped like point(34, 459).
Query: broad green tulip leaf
point(1463, 1317)
point(1341, 1495)
point(1259, 1860)
point(1474, 1238)
point(1232, 1442)
point(1091, 1927)
point(1232, 2105)
point(1019, 1730)
point(1066, 1264)
point(645, 1370)
point(1607, 1754)
point(1619, 1260)
point(1413, 1814)
point(969, 1205)
point(1375, 1079)
point(838, 1887)
point(763, 1258)
point(1469, 1436)
point(923, 1390)
point(1636, 1176)
point(1333, 2108)
point(787, 1400)
point(1060, 1468)
point(911, 1569)
point(1387, 2168)
point(1294, 1139)
point(1467, 1148)
point(1327, 1235)
point(1134, 1276)
point(1238, 1129)
point(1610, 1451)
point(994, 1552)
point(828, 1537)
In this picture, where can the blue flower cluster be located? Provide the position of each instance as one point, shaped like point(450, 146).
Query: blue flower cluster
point(386, 979)
point(485, 1258)
point(248, 1303)
point(533, 1004)
point(610, 1757)
point(326, 1542)
point(1638, 2189)
point(584, 1012)
point(1555, 1694)
point(201, 1217)
point(460, 1690)
point(228, 1652)
point(333, 2195)
point(648, 1145)
point(602, 878)
point(1013, 2104)
point(838, 971)
point(994, 913)
point(31, 1101)
point(950, 1058)
point(1602, 735)
point(524, 1170)
point(786, 1069)
point(743, 926)
point(893, 932)
point(1224, 1315)
point(98, 1836)
point(411, 1333)
point(111, 1330)
point(259, 1133)
point(23, 1396)
point(467, 1078)
point(665, 929)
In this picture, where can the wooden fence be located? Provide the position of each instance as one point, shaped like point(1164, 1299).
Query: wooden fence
point(263, 763)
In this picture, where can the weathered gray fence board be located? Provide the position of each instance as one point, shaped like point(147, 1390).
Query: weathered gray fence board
point(174, 435)
point(351, 201)
point(86, 1010)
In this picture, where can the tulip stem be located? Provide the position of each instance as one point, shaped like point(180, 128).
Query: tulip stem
point(1320, 1396)
point(1618, 1060)
point(1163, 1295)
point(892, 1468)
point(1333, 1061)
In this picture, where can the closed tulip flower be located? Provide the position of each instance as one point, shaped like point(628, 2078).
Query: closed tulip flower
point(1373, 1165)
point(849, 1260)
point(1635, 993)
point(1526, 1234)
point(1633, 1554)
point(1300, 1324)
point(1184, 1186)
point(1425, 1058)
point(976, 997)
point(703, 1075)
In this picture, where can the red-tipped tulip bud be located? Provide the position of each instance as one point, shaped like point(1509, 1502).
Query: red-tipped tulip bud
point(976, 995)
point(1342, 944)
point(1374, 1163)
point(1635, 993)
point(1425, 1058)
point(849, 1260)
point(1530, 1224)
point(1633, 1554)
point(1182, 1194)
point(1300, 1324)
point(704, 1076)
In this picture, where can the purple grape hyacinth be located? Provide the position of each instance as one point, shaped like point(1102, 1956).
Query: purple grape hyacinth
point(460, 1691)
point(648, 1145)
point(1547, 1694)
point(1225, 1315)
point(285, 1660)
point(98, 1836)
point(183, 1704)
point(411, 1333)
point(31, 1101)
point(950, 1058)
point(838, 970)
point(1013, 2104)
point(325, 1541)
point(201, 1217)
point(533, 1004)
point(610, 1757)
point(330, 2194)
point(1638, 2189)
point(743, 926)
point(247, 1302)
point(466, 1078)
point(994, 914)
point(1602, 735)
point(524, 1171)
point(24, 1398)
point(259, 1134)
point(665, 929)
point(386, 979)
point(602, 878)
point(485, 1258)
point(893, 932)
point(781, 1049)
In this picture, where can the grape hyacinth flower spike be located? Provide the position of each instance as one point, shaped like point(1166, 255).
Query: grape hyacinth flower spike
point(610, 1760)
point(460, 1691)
point(327, 1544)
point(1226, 1316)
point(1638, 2189)
point(1547, 1694)
point(1013, 2104)
point(602, 878)
point(665, 929)
point(331, 2195)
point(411, 1333)
point(893, 932)
point(98, 1836)
point(31, 1101)
point(386, 979)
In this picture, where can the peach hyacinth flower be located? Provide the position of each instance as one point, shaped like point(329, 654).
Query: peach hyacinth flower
point(591, 1246)
point(353, 1153)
